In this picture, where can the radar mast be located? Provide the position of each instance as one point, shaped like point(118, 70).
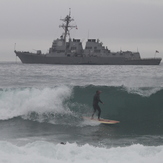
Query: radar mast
point(66, 25)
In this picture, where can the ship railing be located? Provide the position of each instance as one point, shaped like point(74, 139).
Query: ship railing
point(151, 58)
point(144, 58)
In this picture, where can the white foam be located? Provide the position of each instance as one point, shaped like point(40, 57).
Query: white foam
point(145, 91)
point(88, 122)
point(43, 152)
point(18, 102)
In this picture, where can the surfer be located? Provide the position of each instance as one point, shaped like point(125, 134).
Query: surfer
point(96, 100)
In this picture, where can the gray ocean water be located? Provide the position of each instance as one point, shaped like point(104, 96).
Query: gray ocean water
point(43, 105)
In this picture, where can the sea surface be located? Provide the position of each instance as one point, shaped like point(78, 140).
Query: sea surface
point(42, 109)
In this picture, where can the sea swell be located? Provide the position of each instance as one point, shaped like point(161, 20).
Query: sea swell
point(140, 107)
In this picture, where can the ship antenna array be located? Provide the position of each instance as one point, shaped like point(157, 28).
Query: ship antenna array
point(66, 25)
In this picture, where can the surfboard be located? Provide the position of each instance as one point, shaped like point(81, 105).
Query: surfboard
point(103, 121)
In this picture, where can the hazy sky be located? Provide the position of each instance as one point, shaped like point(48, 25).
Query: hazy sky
point(119, 24)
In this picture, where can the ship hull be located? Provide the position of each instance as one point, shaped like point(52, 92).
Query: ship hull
point(33, 58)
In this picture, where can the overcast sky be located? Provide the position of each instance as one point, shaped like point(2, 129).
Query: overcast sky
point(119, 24)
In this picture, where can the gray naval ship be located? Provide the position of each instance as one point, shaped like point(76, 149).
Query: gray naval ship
point(71, 52)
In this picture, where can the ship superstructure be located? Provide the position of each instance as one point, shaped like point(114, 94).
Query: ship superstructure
point(65, 50)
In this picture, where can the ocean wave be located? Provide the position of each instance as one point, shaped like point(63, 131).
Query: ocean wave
point(52, 105)
point(22, 102)
point(41, 151)
point(143, 91)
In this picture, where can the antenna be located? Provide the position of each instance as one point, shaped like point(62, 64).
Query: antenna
point(15, 51)
point(15, 47)
point(69, 11)
point(66, 25)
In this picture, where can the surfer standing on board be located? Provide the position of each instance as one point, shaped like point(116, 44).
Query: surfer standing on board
point(96, 100)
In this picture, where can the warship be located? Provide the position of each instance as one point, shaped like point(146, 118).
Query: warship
point(71, 52)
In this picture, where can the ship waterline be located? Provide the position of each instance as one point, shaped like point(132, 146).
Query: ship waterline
point(33, 58)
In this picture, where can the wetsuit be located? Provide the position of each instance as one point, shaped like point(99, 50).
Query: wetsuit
point(96, 100)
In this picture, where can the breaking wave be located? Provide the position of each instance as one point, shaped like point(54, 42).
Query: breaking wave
point(67, 105)
point(44, 152)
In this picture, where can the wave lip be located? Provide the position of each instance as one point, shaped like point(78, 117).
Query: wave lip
point(21, 102)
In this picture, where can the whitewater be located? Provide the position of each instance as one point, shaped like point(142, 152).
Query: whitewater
point(42, 109)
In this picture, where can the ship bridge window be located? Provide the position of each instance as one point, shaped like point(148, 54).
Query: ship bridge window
point(76, 40)
point(91, 40)
point(88, 47)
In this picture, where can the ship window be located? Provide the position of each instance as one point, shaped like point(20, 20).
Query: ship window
point(88, 47)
